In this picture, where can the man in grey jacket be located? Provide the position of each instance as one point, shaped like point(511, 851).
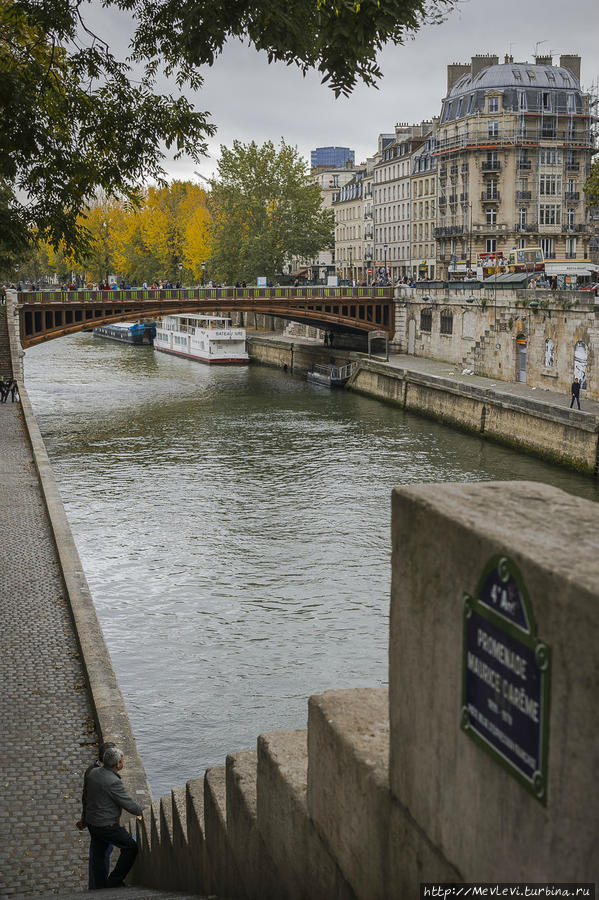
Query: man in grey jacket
point(106, 797)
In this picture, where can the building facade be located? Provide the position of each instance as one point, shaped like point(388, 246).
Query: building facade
point(513, 151)
point(350, 227)
point(392, 188)
point(423, 192)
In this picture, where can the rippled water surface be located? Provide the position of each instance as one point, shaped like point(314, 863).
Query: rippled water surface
point(234, 529)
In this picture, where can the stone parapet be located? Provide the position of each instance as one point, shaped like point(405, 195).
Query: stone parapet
point(477, 814)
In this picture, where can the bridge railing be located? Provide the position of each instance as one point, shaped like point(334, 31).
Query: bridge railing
point(222, 293)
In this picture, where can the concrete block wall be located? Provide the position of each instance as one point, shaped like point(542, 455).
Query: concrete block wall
point(384, 790)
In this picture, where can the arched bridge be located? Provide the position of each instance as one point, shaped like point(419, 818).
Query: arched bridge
point(45, 315)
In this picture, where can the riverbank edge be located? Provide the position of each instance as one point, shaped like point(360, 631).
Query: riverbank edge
point(112, 719)
point(558, 435)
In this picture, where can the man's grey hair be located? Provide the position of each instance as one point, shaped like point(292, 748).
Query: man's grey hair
point(112, 756)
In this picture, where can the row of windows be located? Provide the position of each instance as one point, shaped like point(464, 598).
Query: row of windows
point(426, 321)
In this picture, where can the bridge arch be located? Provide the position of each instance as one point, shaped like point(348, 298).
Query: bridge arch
point(48, 315)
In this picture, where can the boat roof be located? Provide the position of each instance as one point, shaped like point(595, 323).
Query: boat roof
point(120, 324)
point(198, 317)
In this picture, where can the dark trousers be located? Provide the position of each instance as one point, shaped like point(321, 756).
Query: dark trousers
point(102, 836)
point(94, 848)
point(574, 397)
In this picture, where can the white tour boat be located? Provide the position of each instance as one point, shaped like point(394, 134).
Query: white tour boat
point(209, 339)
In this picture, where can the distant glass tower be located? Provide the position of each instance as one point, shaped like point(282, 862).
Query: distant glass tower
point(332, 157)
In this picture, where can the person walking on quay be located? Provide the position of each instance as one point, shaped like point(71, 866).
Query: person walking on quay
point(575, 393)
point(12, 386)
point(105, 798)
point(82, 821)
point(3, 389)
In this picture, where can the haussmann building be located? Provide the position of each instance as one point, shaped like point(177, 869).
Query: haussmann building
point(513, 151)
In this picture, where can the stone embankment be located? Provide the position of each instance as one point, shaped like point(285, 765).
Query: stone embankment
point(60, 695)
point(512, 414)
point(386, 789)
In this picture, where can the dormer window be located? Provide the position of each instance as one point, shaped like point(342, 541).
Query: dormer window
point(565, 78)
point(470, 102)
point(531, 75)
point(493, 104)
point(517, 74)
point(546, 100)
point(550, 76)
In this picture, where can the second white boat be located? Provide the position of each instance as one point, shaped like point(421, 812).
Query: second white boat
point(209, 339)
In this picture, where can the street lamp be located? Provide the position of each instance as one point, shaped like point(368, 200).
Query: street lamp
point(351, 266)
point(203, 272)
point(180, 274)
point(385, 248)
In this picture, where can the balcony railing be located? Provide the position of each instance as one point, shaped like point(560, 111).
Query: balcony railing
point(448, 231)
point(570, 255)
point(525, 227)
point(572, 195)
point(490, 196)
point(523, 195)
point(490, 165)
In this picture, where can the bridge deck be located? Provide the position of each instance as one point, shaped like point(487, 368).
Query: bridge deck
point(47, 315)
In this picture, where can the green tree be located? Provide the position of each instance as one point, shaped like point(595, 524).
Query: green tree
point(591, 188)
point(264, 209)
point(74, 120)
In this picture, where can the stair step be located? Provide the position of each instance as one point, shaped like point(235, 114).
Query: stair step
point(285, 825)
point(224, 877)
point(348, 783)
point(257, 869)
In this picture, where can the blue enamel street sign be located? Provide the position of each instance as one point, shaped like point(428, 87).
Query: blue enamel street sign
point(506, 672)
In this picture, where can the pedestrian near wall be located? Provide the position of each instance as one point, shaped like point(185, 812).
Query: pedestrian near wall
point(106, 797)
point(575, 393)
point(81, 824)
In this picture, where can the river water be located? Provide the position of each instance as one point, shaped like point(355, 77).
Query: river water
point(233, 525)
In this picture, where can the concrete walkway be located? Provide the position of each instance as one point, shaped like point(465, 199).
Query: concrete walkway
point(47, 732)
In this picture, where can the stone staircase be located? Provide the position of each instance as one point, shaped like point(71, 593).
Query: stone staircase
point(475, 358)
point(308, 815)
point(5, 361)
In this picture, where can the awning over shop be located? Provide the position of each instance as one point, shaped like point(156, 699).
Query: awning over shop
point(581, 268)
point(508, 278)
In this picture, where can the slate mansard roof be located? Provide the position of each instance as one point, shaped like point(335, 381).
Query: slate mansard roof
point(511, 79)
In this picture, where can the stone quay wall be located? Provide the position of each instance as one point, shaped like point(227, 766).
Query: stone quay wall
point(552, 432)
point(559, 434)
point(384, 789)
point(112, 720)
point(490, 328)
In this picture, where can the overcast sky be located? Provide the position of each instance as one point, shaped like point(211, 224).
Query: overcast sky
point(251, 100)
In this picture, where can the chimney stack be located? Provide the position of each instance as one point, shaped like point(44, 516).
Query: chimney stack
point(455, 72)
point(571, 62)
point(482, 61)
point(544, 60)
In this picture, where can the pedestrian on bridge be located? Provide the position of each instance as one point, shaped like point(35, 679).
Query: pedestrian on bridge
point(105, 798)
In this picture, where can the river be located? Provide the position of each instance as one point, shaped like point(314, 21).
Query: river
point(233, 524)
